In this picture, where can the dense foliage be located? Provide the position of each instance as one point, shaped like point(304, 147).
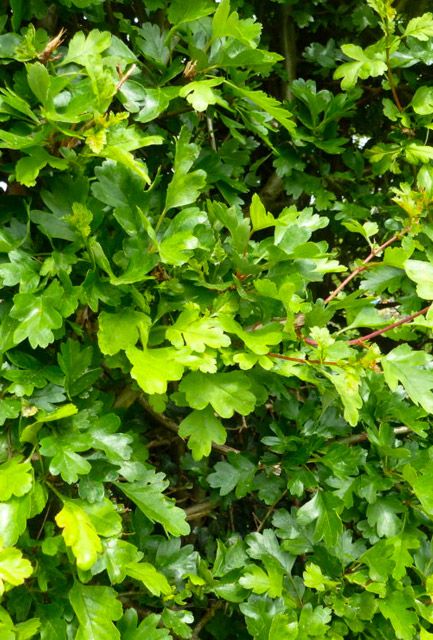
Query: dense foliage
point(216, 263)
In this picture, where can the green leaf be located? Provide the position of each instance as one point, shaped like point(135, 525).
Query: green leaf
point(79, 533)
point(237, 473)
point(83, 49)
point(39, 80)
point(421, 485)
point(152, 579)
point(422, 102)
point(179, 12)
point(225, 392)
point(9, 408)
point(14, 569)
point(396, 608)
point(15, 478)
point(154, 368)
point(184, 187)
point(40, 315)
point(28, 168)
point(75, 363)
point(267, 104)
point(259, 341)
point(323, 509)
point(14, 515)
point(103, 516)
point(314, 578)
point(147, 495)
point(30, 432)
point(420, 28)
point(118, 331)
point(226, 24)
point(416, 153)
point(152, 43)
point(152, 102)
point(148, 629)
point(95, 608)
point(65, 459)
point(116, 557)
point(260, 581)
point(203, 428)
point(259, 218)
point(368, 63)
point(383, 515)
point(421, 272)
point(409, 368)
point(347, 384)
point(177, 248)
point(8, 44)
point(197, 332)
point(200, 94)
point(402, 545)
point(178, 622)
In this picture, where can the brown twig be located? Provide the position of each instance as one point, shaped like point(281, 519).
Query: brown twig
point(125, 77)
point(271, 510)
point(389, 73)
point(363, 266)
point(51, 46)
point(199, 510)
point(361, 437)
point(205, 619)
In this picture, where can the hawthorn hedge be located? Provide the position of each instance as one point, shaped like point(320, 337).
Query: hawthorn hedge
point(216, 370)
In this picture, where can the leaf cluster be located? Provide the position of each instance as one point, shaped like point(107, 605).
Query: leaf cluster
point(216, 272)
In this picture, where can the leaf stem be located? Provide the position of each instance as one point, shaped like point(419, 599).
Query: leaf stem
point(54, 490)
point(160, 219)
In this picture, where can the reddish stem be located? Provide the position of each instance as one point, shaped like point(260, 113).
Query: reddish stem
point(379, 332)
point(329, 363)
point(364, 264)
